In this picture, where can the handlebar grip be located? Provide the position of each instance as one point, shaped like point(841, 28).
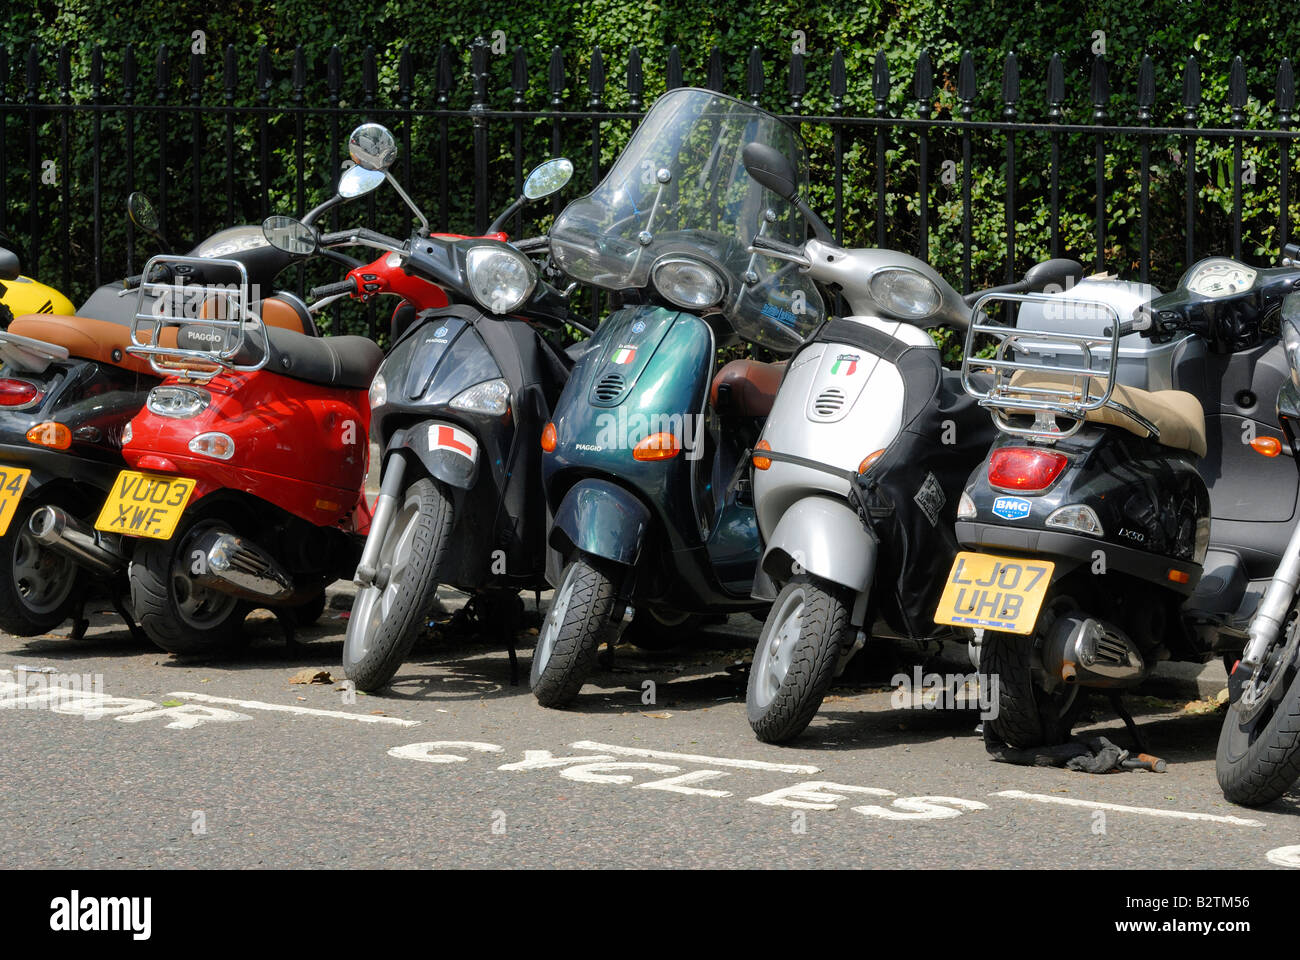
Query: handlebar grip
point(332, 289)
point(1291, 251)
point(531, 244)
point(133, 282)
point(1125, 328)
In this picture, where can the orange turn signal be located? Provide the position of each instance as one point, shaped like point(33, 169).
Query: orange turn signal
point(549, 437)
point(657, 446)
point(1268, 446)
point(762, 463)
point(50, 434)
point(1178, 576)
point(871, 458)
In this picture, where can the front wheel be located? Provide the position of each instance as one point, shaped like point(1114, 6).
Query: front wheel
point(178, 613)
point(388, 615)
point(579, 621)
point(795, 660)
point(1258, 759)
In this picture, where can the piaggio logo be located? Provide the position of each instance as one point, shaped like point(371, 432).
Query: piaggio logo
point(845, 364)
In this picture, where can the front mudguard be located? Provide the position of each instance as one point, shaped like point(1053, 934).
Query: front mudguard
point(823, 537)
point(602, 519)
point(449, 453)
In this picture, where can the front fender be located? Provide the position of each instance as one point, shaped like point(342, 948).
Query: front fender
point(602, 519)
point(450, 453)
point(825, 537)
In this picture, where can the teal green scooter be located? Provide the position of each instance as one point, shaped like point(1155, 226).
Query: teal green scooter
point(644, 463)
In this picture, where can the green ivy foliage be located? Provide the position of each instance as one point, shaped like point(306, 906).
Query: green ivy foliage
point(296, 176)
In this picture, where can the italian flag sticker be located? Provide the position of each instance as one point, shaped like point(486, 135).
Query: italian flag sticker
point(624, 355)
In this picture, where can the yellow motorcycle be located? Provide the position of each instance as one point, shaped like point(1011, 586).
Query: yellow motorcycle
point(21, 295)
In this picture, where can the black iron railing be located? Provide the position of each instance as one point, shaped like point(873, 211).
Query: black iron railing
point(215, 142)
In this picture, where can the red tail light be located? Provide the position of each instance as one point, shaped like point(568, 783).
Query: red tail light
point(17, 393)
point(1019, 468)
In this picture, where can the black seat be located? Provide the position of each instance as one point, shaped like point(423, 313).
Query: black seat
point(332, 361)
point(348, 362)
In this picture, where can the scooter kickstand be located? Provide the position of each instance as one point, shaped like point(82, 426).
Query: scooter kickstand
point(285, 619)
point(120, 609)
point(514, 661)
point(1117, 702)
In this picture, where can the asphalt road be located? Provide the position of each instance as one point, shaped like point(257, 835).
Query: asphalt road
point(224, 764)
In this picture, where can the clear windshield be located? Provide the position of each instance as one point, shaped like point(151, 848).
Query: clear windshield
point(680, 189)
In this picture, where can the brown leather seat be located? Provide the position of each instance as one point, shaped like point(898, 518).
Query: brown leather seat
point(100, 340)
point(746, 388)
point(1175, 413)
point(284, 311)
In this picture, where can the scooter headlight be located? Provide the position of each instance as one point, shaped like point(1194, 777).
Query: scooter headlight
point(490, 397)
point(500, 277)
point(687, 283)
point(178, 402)
point(378, 391)
point(905, 293)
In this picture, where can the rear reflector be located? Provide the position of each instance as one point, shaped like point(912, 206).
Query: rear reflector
point(17, 393)
point(1020, 468)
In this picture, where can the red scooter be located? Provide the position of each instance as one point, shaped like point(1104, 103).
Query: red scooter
point(247, 466)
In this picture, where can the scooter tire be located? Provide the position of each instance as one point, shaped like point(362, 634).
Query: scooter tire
point(306, 614)
point(158, 613)
point(571, 635)
point(823, 632)
point(1269, 765)
point(372, 664)
point(17, 617)
point(1006, 657)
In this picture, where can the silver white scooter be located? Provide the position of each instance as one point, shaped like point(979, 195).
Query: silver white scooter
point(860, 464)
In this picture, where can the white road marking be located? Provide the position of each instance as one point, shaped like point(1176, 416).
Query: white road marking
point(424, 751)
point(1121, 808)
point(301, 711)
point(601, 772)
point(696, 758)
point(922, 808)
point(815, 795)
point(681, 784)
point(186, 717)
point(1284, 856)
point(545, 760)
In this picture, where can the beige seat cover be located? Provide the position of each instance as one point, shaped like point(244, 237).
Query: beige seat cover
point(1176, 414)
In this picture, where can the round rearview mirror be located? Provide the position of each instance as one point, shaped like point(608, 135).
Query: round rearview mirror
point(548, 178)
point(372, 146)
point(358, 181)
point(142, 213)
point(290, 235)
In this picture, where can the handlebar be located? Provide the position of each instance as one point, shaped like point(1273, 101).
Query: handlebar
point(784, 251)
point(347, 286)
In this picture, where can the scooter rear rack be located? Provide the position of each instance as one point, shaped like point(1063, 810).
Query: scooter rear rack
point(224, 310)
point(1022, 350)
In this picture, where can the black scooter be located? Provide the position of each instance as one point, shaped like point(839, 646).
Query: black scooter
point(1126, 515)
point(457, 409)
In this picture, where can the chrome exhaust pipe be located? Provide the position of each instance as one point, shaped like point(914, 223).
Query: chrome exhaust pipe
point(240, 567)
point(1093, 653)
point(54, 528)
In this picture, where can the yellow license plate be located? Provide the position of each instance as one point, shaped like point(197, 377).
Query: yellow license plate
point(145, 505)
point(998, 593)
point(13, 481)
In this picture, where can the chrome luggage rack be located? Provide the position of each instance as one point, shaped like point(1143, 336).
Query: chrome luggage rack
point(1022, 349)
point(224, 308)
